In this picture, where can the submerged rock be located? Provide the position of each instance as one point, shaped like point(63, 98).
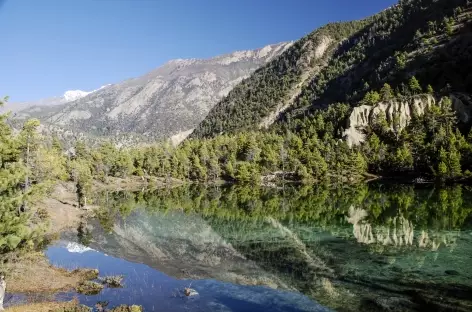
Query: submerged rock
point(189, 292)
point(393, 304)
point(451, 272)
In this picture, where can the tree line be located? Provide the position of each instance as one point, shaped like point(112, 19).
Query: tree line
point(310, 151)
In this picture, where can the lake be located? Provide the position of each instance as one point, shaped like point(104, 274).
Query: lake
point(376, 247)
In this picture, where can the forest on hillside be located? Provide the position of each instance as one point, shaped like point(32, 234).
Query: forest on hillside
point(428, 39)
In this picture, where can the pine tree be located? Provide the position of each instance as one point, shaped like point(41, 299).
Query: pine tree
point(454, 163)
point(371, 98)
point(229, 169)
point(400, 58)
point(29, 144)
point(358, 163)
point(414, 85)
point(429, 89)
point(243, 172)
point(82, 176)
point(386, 92)
point(418, 34)
point(16, 229)
point(442, 170)
point(448, 26)
point(56, 144)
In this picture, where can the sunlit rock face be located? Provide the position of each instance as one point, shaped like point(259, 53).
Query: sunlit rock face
point(402, 111)
point(364, 115)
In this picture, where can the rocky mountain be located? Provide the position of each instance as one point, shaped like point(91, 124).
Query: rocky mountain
point(168, 101)
point(27, 108)
point(342, 62)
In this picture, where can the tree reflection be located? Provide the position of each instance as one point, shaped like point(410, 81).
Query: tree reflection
point(392, 212)
point(324, 241)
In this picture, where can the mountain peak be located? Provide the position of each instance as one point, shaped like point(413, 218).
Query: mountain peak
point(73, 95)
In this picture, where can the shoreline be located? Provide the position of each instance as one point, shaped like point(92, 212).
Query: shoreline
point(30, 272)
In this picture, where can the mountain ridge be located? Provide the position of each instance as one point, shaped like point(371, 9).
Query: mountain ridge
point(167, 101)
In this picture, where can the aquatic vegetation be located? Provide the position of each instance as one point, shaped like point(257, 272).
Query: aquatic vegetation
point(125, 308)
point(78, 308)
point(115, 281)
point(71, 306)
point(87, 274)
point(89, 288)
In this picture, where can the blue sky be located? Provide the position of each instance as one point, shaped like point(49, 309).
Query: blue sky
point(50, 46)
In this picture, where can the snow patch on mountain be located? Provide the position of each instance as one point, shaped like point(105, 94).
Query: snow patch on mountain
point(73, 95)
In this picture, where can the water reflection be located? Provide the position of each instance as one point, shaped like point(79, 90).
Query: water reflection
point(375, 247)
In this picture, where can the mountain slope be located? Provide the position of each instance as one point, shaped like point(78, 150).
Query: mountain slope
point(426, 38)
point(258, 100)
point(169, 100)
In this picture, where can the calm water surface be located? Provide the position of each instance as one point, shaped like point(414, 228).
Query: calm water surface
point(370, 248)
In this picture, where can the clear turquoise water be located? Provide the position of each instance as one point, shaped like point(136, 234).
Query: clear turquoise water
point(369, 248)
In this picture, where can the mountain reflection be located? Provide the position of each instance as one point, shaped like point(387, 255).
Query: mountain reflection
point(367, 244)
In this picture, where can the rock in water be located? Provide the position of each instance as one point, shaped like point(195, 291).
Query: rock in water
point(451, 272)
point(189, 292)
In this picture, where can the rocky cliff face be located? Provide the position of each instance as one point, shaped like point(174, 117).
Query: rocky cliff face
point(170, 100)
point(363, 116)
